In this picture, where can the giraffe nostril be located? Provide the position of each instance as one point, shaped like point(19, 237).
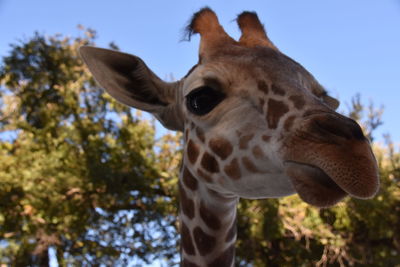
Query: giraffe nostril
point(356, 130)
point(338, 126)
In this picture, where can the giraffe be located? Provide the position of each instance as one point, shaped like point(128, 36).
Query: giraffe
point(256, 125)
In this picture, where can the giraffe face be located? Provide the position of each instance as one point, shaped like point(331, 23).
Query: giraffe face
point(256, 123)
point(256, 128)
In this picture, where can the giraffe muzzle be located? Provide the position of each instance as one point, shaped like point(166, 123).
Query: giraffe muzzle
point(331, 159)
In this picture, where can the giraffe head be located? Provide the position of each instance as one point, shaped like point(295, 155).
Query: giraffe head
point(256, 123)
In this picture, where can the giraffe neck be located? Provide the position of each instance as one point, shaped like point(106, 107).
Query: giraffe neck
point(208, 224)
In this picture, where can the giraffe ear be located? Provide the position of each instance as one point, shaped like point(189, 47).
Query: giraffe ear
point(131, 82)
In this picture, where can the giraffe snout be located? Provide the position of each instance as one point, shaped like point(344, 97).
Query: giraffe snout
point(330, 154)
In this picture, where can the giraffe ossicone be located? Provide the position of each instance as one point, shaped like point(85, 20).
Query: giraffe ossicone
point(256, 125)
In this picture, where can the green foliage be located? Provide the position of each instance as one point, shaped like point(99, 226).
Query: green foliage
point(84, 175)
point(81, 173)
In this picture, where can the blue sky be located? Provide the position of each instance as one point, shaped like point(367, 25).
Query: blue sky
point(349, 46)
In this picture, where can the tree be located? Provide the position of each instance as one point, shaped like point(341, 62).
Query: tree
point(80, 173)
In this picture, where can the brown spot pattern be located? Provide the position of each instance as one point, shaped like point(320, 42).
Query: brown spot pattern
point(205, 243)
point(209, 218)
point(244, 141)
point(263, 87)
point(289, 123)
point(189, 180)
point(225, 259)
point(200, 134)
point(204, 176)
point(249, 165)
point(262, 103)
point(209, 163)
point(276, 109)
point(233, 169)
point(238, 133)
point(298, 101)
point(266, 138)
point(187, 263)
point(187, 204)
point(221, 147)
point(187, 243)
point(277, 90)
point(192, 151)
point(258, 152)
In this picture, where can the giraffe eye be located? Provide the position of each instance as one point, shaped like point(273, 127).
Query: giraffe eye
point(203, 99)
